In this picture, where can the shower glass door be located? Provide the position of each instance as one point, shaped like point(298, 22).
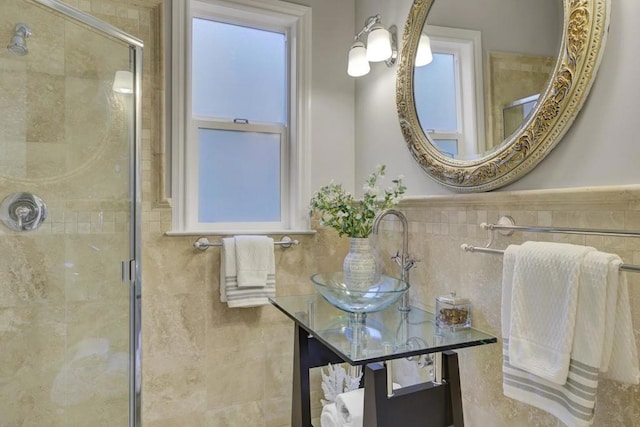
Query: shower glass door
point(67, 301)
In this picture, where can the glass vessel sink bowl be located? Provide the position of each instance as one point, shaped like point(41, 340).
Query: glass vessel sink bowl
point(378, 296)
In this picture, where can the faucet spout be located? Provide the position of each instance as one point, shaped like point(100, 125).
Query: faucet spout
point(404, 268)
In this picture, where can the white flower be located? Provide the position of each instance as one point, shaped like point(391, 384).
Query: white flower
point(347, 215)
point(371, 191)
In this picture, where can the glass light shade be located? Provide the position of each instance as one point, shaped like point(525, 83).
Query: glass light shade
point(379, 44)
point(123, 82)
point(424, 55)
point(358, 64)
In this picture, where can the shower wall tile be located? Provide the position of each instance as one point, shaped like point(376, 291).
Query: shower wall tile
point(45, 112)
point(63, 306)
point(25, 398)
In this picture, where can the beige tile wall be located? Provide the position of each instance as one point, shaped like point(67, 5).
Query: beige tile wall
point(439, 225)
point(212, 366)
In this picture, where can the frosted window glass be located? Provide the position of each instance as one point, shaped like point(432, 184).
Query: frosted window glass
point(436, 98)
point(238, 72)
point(239, 176)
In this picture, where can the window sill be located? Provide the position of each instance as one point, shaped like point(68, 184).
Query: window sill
point(237, 232)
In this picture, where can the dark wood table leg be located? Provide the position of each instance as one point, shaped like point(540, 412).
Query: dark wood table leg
point(307, 353)
point(426, 404)
point(301, 403)
point(452, 376)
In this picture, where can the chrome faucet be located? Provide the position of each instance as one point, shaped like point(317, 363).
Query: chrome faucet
point(403, 260)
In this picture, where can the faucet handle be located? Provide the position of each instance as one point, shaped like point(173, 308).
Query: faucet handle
point(410, 263)
point(397, 258)
point(407, 264)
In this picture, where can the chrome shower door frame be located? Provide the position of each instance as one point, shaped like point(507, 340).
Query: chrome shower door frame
point(132, 272)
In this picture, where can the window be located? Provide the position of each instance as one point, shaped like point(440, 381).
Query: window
point(450, 108)
point(240, 116)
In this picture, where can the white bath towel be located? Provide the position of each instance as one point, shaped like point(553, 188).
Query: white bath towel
point(602, 302)
point(254, 260)
point(350, 407)
point(329, 416)
point(546, 277)
point(229, 290)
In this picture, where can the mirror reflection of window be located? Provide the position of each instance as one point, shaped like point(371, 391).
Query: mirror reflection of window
point(448, 147)
point(446, 88)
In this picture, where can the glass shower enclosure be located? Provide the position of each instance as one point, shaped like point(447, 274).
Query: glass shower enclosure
point(69, 209)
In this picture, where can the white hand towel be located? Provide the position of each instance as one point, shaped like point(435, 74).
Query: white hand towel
point(228, 275)
point(229, 290)
point(350, 407)
point(574, 402)
point(329, 416)
point(544, 298)
point(254, 260)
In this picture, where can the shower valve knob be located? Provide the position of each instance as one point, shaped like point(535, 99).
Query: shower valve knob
point(23, 211)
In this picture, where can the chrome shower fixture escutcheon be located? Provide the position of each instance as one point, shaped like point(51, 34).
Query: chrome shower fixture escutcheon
point(23, 211)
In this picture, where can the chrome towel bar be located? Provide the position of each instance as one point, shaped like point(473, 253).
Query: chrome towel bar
point(506, 226)
point(202, 243)
point(469, 248)
point(506, 223)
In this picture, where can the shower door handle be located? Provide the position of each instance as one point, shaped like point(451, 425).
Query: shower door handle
point(128, 269)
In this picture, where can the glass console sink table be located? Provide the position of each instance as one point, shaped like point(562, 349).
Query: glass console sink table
point(324, 334)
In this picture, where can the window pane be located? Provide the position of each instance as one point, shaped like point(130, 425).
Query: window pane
point(238, 72)
point(436, 83)
point(448, 147)
point(239, 176)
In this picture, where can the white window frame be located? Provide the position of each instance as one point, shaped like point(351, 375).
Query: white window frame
point(295, 177)
point(466, 46)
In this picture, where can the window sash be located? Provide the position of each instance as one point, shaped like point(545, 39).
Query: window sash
point(193, 178)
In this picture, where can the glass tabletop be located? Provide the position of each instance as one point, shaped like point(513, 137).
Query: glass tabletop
point(384, 335)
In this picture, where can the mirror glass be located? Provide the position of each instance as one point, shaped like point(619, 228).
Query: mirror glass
point(470, 105)
point(486, 88)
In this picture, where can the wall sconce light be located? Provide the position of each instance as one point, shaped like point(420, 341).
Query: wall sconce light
point(382, 45)
point(123, 82)
point(424, 55)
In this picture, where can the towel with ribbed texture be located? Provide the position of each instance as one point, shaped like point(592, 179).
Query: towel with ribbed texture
point(545, 282)
point(601, 335)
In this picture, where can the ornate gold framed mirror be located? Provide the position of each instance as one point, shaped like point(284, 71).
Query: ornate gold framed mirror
point(507, 149)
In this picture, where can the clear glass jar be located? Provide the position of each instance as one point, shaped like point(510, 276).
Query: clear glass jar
point(453, 312)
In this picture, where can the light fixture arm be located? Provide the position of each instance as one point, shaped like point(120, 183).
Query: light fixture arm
point(368, 24)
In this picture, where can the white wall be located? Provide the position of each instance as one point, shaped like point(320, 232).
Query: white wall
point(599, 149)
point(333, 93)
